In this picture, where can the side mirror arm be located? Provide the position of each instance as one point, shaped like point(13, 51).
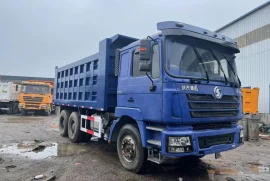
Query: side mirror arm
point(153, 87)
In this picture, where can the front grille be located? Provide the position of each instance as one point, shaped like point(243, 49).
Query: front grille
point(205, 105)
point(209, 97)
point(206, 114)
point(32, 99)
point(212, 126)
point(208, 141)
point(32, 106)
point(199, 105)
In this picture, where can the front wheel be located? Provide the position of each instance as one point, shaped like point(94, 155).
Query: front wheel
point(130, 150)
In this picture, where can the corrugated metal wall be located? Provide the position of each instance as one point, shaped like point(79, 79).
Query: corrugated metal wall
point(253, 63)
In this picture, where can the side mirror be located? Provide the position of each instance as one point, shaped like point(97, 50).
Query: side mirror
point(145, 50)
point(146, 67)
point(117, 60)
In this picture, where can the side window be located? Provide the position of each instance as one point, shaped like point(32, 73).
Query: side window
point(155, 62)
point(124, 65)
point(135, 65)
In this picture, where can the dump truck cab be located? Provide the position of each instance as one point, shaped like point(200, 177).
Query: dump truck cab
point(36, 96)
point(182, 84)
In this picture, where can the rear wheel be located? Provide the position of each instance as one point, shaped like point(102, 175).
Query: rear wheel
point(74, 132)
point(63, 123)
point(129, 147)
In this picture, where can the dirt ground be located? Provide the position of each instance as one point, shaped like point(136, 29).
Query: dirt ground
point(31, 145)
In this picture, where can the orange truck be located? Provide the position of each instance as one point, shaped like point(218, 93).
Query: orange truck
point(36, 96)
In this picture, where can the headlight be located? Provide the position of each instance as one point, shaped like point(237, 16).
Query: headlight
point(179, 141)
point(20, 105)
point(241, 133)
point(44, 106)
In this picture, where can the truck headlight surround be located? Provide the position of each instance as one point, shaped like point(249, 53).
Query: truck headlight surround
point(179, 141)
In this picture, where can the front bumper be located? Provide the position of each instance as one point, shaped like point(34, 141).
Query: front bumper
point(33, 106)
point(195, 135)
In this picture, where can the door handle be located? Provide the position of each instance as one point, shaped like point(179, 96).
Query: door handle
point(131, 99)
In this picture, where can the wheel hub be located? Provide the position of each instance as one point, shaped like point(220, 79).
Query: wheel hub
point(128, 148)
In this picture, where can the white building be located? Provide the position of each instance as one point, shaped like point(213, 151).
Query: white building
point(252, 32)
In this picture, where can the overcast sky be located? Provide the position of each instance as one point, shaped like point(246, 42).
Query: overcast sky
point(37, 35)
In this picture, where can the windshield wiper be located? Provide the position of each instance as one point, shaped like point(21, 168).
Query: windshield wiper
point(219, 64)
point(232, 68)
point(201, 60)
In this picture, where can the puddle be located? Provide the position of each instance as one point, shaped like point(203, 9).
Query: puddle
point(35, 150)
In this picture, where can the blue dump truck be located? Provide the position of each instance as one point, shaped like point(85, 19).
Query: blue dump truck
point(173, 94)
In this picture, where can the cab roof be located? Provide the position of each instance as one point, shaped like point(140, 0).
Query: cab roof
point(174, 25)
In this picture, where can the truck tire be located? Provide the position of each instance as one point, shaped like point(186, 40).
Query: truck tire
point(63, 123)
point(74, 131)
point(131, 153)
point(15, 108)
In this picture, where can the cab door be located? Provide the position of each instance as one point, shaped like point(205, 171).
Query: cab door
point(135, 85)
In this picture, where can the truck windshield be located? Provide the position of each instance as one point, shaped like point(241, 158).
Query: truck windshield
point(35, 89)
point(189, 57)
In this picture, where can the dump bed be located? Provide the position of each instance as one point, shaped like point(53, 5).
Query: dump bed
point(90, 82)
